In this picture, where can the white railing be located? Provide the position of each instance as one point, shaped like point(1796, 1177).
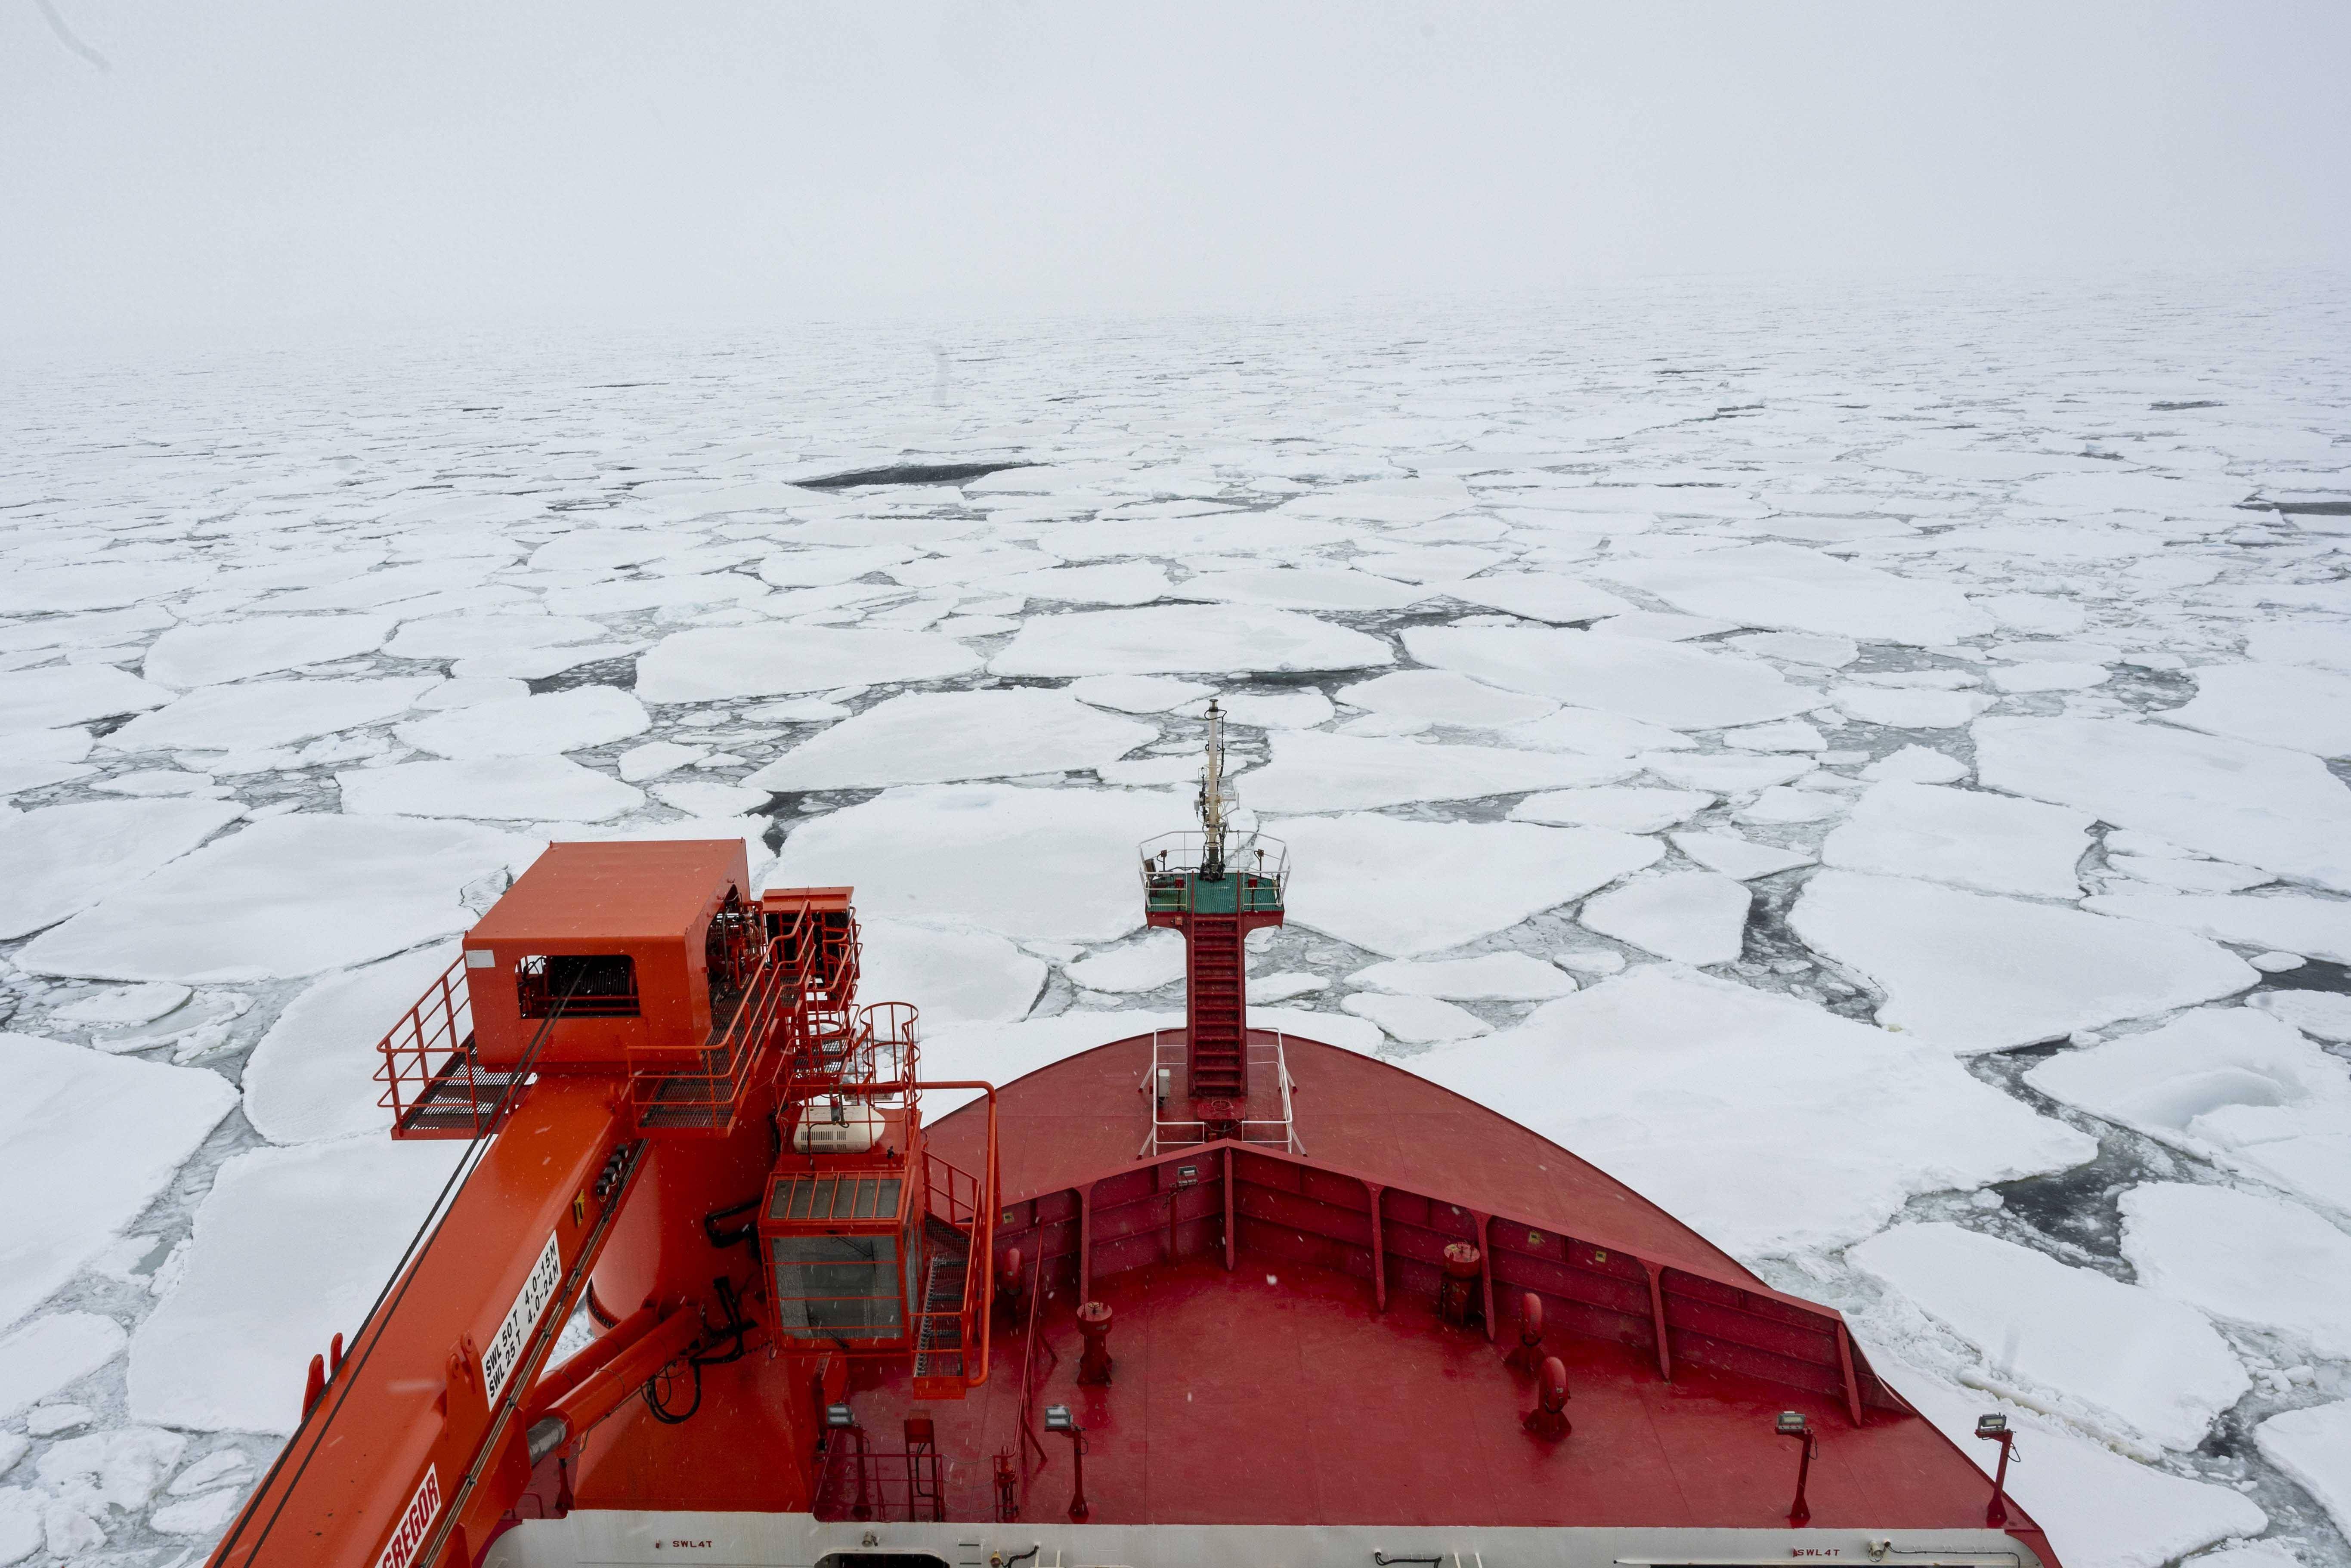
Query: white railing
point(1163, 1081)
point(1261, 863)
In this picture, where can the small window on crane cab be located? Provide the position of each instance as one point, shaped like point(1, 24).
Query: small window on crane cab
point(583, 985)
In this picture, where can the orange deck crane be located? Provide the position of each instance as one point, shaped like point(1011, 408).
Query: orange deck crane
point(679, 1117)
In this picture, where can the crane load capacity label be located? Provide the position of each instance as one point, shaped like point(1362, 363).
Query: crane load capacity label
point(505, 1348)
point(415, 1521)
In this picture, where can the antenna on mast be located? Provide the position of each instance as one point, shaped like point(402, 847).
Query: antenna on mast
point(1215, 802)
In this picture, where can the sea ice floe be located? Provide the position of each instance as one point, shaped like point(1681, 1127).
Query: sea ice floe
point(60, 860)
point(119, 1469)
point(2314, 1446)
point(1780, 806)
point(1628, 808)
point(2290, 706)
point(823, 566)
point(1972, 972)
point(97, 1138)
point(313, 1075)
point(285, 898)
point(1415, 1020)
point(291, 1245)
point(505, 788)
point(1119, 582)
point(1725, 772)
point(475, 636)
point(1052, 864)
point(2322, 1015)
point(1915, 765)
point(2266, 806)
point(204, 655)
point(936, 738)
point(1695, 916)
point(1303, 588)
point(530, 725)
point(1831, 1125)
point(1265, 991)
point(2117, 1358)
point(1138, 693)
point(2314, 927)
point(1489, 977)
point(2101, 1509)
point(717, 663)
point(2188, 875)
point(1792, 589)
point(952, 975)
point(253, 715)
point(1443, 697)
point(1737, 857)
point(1406, 888)
point(1995, 843)
point(1272, 710)
point(96, 585)
point(124, 1007)
point(72, 693)
point(1540, 596)
point(1659, 682)
point(1311, 771)
point(52, 1351)
point(1595, 733)
point(2231, 1085)
point(655, 757)
point(1798, 647)
point(2243, 1257)
point(1906, 708)
point(1184, 638)
point(2048, 677)
point(1779, 734)
point(1398, 501)
point(1154, 959)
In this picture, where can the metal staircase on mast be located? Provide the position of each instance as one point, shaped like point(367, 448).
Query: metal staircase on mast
point(1216, 1043)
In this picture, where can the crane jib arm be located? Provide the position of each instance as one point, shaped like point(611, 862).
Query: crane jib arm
point(420, 1440)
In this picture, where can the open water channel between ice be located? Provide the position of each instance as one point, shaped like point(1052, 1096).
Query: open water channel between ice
point(1865, 767)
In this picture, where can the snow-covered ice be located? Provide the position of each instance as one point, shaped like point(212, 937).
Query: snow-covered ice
point(938, 738)
point(1695, 916)
point(2232, 1085)
point(2266, 806)
point(2314, 927)
point(2314, 1446)
point(204, 655)
point(1406, 888)
point(1027, 864)
point(1441, 697)
point(1628, 808)
point(1311, 771)
point(50, 1353)
point(1787, 589)
point(1830, 1124)
point(530, 725)
point(290, 1246)
point(313, 1074)
point(1743, 858)
point(1182, 639)
point(287, 897)
point(2243, 1259)
point(952, 975)
point(1150, 961)
point(255, 715)
point(1966, 837)
point(2120, 1359)
point(1487, 977)
point(715, 663)
point(508, 788)
point(86, 1142)
point(58, 862)
point(1415, 1020)
point(1974, 972)
point(1659, 682)
point(2275, 705)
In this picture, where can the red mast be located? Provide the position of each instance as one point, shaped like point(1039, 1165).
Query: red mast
point(1216, 892)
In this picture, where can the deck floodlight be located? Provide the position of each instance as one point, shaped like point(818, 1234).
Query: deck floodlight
point(1057, 1418)
point(839, 1416)
point(1990, 1425)
point(1993, 1429)
point(1791, 1424)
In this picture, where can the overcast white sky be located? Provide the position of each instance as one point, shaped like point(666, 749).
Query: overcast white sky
point(253, 160)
